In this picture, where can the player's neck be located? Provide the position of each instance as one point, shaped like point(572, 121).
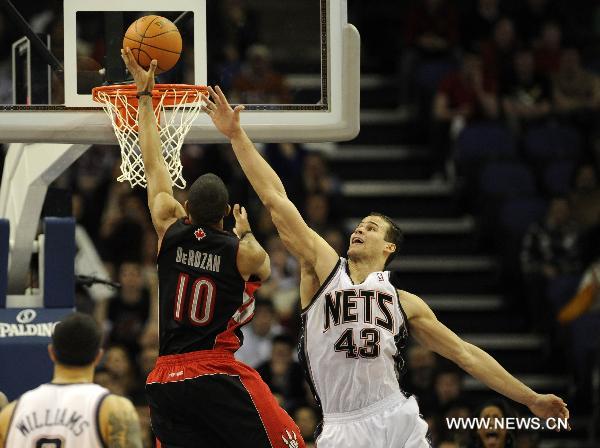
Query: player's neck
point(360, 269)
point(66, 375)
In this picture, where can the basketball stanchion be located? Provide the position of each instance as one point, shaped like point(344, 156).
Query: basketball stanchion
point(176, 106)
point(26, 329)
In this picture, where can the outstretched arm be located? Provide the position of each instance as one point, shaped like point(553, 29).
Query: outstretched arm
point(435, 336)
point(252, 259)
point(164, 208)
point(299, 239)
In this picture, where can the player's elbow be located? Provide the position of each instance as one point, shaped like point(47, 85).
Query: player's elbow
point(272, 199)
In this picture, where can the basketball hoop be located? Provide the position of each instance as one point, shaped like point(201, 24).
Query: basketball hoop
point(121, 105)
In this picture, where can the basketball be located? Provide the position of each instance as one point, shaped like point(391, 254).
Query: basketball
point(154, 37)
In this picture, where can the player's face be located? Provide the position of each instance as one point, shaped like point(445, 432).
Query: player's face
point(368, 239)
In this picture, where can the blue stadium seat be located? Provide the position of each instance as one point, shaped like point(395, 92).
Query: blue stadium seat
point(557, 176)
point(504, 180)
point(516, 215)
point(561, 289)
point(480, 142)
point(550, 142)
point(428, 75)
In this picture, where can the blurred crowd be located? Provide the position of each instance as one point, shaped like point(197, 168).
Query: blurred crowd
point(510, 95)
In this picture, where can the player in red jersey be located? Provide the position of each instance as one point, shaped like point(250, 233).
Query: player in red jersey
point(199, 394)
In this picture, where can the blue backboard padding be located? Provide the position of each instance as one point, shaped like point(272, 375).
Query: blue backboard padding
point(59, 263)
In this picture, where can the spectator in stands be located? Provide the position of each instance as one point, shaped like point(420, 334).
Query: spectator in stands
point(316, 177)
point(456, 409)
point(492, 436)
point(550, 249)
point(143, 412)
point(306, 418)
point(585, 197)
point(587, 298)
point(239, 27)
point(283, 375)
point(527, 97)
point(288, 160)
point(448, 444)
point(336, 239)
point(282, 286)
point(432, 27)
point(498, 52)
point(123, 227)
point(258, 82)
point(259, 334)
point(548, 49)
point(531, 17)
point(463, 96)
point(447, 385)
point(317, 210)
point(106, 379)
point(128, 312)
point(577, 95)
point(466, 94)
point(419, 377)
point(431, 35)
point(146, 360)
point(478, 21)
point(120, 367)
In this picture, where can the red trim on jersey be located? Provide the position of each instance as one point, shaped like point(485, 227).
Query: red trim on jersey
point(228, 340)
point(173, 368)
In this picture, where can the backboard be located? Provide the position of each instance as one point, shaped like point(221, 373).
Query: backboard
point(294, 64)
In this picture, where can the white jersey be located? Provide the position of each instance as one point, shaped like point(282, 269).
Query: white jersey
point(352, 339)
point(57, 416)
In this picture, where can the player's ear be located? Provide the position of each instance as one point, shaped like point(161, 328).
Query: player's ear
point(391, 247)
point(51, 353)
point(185, 206)
point(228, 210)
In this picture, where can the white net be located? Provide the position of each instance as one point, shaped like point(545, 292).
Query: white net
point(174, 123)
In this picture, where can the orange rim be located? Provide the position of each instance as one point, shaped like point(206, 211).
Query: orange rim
point(171, 95)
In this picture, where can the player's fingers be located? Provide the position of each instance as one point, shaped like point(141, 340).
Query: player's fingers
point(152, 68)
point(237, 110)
point(206, 109)
point(222, 96)
point(244, 214)
point(214, 95)
point(236, 211)
point(207, 102)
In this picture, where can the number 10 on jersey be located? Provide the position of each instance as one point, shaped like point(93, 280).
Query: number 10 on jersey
point(199, 306)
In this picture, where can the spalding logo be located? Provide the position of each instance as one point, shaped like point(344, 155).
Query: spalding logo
point(26, 316)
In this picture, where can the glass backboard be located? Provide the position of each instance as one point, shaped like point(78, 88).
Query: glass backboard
point(294, 64)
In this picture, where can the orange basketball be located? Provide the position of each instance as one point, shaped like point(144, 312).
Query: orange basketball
point(154, 37)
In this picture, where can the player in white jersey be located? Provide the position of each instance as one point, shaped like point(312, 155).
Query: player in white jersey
point(71, 411)
point(353, 316)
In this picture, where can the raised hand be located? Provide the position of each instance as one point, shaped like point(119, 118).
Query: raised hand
point(144, 79)
point(549, 406)
point(225, 119)
point(242, 225)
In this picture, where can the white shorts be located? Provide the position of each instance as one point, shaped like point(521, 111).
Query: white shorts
point(393, 422)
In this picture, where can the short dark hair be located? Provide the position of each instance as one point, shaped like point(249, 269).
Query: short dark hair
point(76, 340)
point(284, 339)
point(208, 199)
point(393, 235)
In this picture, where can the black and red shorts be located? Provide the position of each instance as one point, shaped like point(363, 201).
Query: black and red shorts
point(208, 399)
